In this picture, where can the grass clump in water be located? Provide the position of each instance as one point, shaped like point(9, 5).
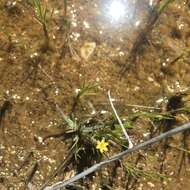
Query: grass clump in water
point(41, 12)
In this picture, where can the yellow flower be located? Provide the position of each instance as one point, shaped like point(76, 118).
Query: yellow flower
point(102, 146)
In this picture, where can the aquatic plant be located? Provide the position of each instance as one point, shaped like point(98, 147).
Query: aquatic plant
point(90, 138)
point(136, 172)
point(82, 91)
point(65, 7)
point(93, 137)
point(162, 6)
point(41, 16)
point(141, 39)
point(97, 166)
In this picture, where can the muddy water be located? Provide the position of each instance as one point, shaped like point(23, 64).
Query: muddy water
point(94, 49)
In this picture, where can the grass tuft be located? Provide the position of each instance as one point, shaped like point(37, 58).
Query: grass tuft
point(41, 13)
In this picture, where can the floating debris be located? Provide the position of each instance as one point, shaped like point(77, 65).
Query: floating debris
point(87, 50)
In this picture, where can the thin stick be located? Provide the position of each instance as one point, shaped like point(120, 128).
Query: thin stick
point(120, 122)
point(141, 106)
point(97, 166)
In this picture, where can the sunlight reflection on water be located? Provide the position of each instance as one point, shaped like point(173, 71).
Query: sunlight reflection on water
point(119, 11)
point(116, 10)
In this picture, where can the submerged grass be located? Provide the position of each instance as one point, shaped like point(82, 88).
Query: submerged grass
point(90, 138)
point(163, 5)
point(65, 7)
point(84, 90)
point(154, 116)
point(142, 38)
point(86, 133)
point(41, 12)
point(137, 173)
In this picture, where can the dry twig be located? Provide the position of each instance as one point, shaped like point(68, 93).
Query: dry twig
point(120, 122)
